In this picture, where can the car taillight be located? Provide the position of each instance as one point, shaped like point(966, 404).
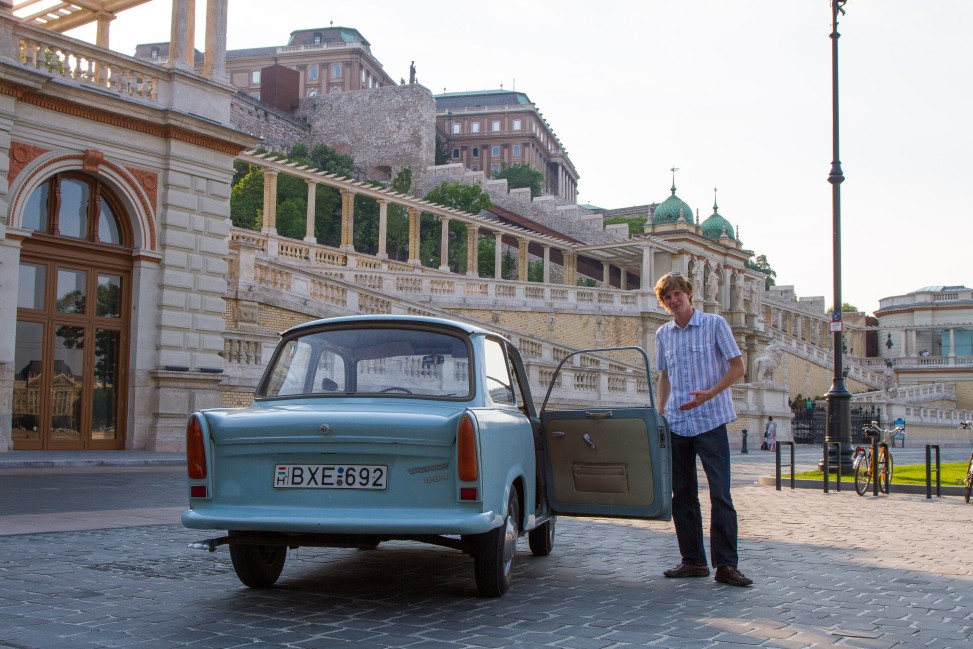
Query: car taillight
point(195, 450)
point(466, 450)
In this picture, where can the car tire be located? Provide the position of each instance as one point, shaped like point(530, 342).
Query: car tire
point(541, 538)
point(258, 566)
point(496, 550)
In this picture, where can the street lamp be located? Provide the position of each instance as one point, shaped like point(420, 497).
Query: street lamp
point(838, 398)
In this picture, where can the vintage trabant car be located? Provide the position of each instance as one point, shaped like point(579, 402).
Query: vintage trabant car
point(368, 429)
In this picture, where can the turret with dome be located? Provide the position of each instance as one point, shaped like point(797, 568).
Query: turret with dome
point(673, 209)
point(715, 226)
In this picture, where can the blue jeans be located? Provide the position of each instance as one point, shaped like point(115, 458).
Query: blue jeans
point(713, 450)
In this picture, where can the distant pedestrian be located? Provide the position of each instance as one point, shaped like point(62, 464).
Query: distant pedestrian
point(770, 434)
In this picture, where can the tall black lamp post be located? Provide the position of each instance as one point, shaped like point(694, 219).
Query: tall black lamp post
point(838, 397)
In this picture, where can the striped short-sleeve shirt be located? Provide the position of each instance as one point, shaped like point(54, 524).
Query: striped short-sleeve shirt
point(696, 358)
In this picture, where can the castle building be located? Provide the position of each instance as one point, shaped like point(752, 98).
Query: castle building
point(327, 60)
point(489, 129)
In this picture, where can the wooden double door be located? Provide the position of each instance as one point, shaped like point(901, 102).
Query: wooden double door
point(71, 347)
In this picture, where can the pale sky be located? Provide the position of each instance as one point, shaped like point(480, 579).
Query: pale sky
point(736, 95)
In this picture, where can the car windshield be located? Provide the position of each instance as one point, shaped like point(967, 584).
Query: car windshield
point(369, 361)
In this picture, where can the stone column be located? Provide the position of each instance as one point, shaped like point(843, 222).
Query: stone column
point(214, 60)
point(179, 34)
point(623, 280)
point(951, 351)
point(414, 237)
point(311, 195)
point(522, 258)
point(383, 228)
point(648, 269)
point(547, 264)
point(444, 244)
point(102, 34)
point(472, 250)
point(606, 275)
point(347, 220)
point(498, 256)
point(570, 268)
point(270, 201)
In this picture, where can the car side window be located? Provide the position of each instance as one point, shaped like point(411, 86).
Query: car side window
point(499, 384)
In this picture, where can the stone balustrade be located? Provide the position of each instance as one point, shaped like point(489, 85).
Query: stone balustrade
point(76, 62)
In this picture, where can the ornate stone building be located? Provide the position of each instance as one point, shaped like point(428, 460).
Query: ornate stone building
point(489, 129)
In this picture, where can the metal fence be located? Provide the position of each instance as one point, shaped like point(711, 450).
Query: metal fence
point(809, 426)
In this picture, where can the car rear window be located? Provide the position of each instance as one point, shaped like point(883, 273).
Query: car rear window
point(388, 361)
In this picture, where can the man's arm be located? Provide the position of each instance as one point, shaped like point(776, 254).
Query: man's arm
point(734, 373)
point(663, 390)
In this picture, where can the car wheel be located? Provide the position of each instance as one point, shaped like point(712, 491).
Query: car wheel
point(493, 560)
point(541, 538)
point(258, 566)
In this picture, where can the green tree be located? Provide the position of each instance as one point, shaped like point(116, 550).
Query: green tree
point(845, 308)
point(636, 225)
point(247, 199)
point(521, 175)
point(469, 198)
point(761, 265)
point(397, 234)
point(442, 151)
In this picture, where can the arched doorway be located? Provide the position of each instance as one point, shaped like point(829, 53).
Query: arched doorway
point(74, 296)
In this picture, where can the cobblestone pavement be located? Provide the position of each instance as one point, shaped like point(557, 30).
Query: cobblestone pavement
point(830, 569)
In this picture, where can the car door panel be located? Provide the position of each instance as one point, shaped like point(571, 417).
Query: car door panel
point(608, 462)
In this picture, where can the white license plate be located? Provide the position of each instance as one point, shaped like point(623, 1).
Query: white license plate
point(330, 476)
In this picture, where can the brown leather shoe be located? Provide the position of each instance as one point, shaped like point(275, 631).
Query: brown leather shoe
point(687, 570)
point(730, 575)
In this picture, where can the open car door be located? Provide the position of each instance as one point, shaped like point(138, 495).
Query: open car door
point(610, 462)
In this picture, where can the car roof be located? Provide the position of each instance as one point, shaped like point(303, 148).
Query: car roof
point(389, 320)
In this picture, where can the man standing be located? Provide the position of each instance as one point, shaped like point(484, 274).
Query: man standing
point(698, 360)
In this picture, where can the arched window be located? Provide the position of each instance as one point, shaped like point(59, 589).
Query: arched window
point(335, 70)
point(516, 150)
point(476, 152)
point(455, 153)
point(75, 205)
point(495, 150)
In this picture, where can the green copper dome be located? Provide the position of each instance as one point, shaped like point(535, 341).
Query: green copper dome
point(715, 226)
point(672, 209)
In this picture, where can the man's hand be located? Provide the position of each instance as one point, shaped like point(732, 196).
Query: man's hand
point(699, 397)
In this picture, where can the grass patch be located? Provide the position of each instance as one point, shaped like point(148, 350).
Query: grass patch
point(950, 474)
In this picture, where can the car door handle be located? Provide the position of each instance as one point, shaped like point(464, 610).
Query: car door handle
point(558, 433)
point(587, 438)
point(599, 415)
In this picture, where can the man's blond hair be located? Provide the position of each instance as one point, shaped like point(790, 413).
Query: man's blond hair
point(670, 282)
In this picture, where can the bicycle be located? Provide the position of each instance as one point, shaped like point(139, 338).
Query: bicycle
point(867, 466)
point(968, 425)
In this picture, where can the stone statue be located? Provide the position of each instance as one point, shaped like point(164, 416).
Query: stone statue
point(766, 364)
point(890, 381)
point(412, 72)
point(698, 281)
point(713, 287)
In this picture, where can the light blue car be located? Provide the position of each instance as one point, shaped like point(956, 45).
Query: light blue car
point(369, 429)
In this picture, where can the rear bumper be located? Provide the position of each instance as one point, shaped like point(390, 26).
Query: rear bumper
point(373, 522)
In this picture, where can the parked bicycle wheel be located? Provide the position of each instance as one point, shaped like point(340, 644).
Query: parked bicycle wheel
point(884, 471)
point(863, 473)
point(969, 479)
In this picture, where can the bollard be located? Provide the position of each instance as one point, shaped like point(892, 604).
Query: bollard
point(779, 444)
point(827, 464)
point(929, 470)
point(744, 450)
